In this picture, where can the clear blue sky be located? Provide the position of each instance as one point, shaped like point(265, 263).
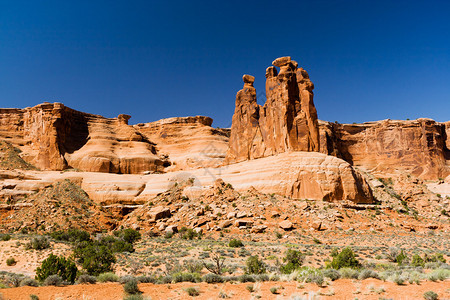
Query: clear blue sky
point(369, 60)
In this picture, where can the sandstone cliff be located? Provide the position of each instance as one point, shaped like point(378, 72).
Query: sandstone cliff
point(55, 137)
point(286, 122)
point(189, 142)
point(418, 147)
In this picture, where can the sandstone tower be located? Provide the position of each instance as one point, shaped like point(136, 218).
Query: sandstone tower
point(286, 122)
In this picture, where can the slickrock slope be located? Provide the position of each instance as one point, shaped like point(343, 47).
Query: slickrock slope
point(189, 142)
point(418, 147)
point(302, 175)
point(286, 122)
point(55, 137)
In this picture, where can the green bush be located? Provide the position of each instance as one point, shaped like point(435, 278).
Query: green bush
point(332, 274)
point(5, 237)
point(430, 295)
point(234, 243)
point(247, 278)
point(108, 277)
point(417, 261)
point(364, 274)
point(133, 297)
point(186, 277)
point(57, 265)
point(94, 257)
point(212, 278)
point(27, 281)
point(349, 273)
point(401, 257)
point(11, 261)
point(38, 243)
point(192, 291)
point(293, 261)
point(345, 259)
point(131, 287)
point(254, 265)
point(86, 279)
point(72, 235)
point(55, 280)
point(128, 235)
point(437, 257)
point(32, 297)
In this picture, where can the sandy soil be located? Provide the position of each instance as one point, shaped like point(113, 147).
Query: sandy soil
point(343, 289)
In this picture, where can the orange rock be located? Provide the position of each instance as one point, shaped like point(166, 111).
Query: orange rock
point(286, 122)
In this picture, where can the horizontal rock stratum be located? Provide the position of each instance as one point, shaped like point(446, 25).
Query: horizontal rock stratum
point(301, 175)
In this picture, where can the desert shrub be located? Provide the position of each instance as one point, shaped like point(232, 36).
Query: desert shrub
point(274, 290)
point(349, 273)
point(234, 243)
point(262, 277)
point(250, 288)
point(131, 287)
point(86, 279)
point(417, 261)
point(38, 243)
point(95, 258)
point(293, 261)
point(186, 277)
point(55, 280)
point(399, 279)
point(189, 234)
point(146, 279)
point(332, 274)
point(315, 277)
point(437, 257)
point(27, 281)
point(439, 274)
point(108, 277)
point(392, 254)
point(212, 278)
point(247, 278)
point(14, 280)
point(254, 265)
point(57, 265)
point(32, 297)
point(126, 278)
point(116, 245)
point(193, 266)
point(364, 274)
point(11, 261)
point(430, 295)
point(72, 235)
point(345, 259)
point(192, 291)
point(5, 237)
point(415, 277)
point(401, 258)
point(165, 279)
point(128, 235)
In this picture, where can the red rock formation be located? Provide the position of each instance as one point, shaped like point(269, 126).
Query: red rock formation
point(419, 147)
point(55, 137)
point(188, 142)
point(286, 122)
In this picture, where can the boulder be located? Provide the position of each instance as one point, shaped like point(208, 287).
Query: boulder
point(286, 225)
point(258, 229)
point(159, 212)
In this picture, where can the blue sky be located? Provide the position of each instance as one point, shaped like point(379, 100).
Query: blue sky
point(369, 60)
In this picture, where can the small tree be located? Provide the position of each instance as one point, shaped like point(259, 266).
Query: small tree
point(345, 259)
point(255, 266)
point(293, 261)
point(217, 267)
point(417, 261)
point(57, 265)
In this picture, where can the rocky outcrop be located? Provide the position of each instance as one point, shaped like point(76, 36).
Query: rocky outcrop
point(300, 175)
point(286, 122)
point(54, 137)
point(418, 147)
point(188, 142)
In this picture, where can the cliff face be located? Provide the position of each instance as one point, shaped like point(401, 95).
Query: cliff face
point(286, 122)
point(55, 137)
point(188, 142)
point(419, 147)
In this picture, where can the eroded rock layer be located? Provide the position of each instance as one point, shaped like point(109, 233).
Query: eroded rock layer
point(188, 142)
point(418, 147)
point(286, 122)
point(54, 137)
